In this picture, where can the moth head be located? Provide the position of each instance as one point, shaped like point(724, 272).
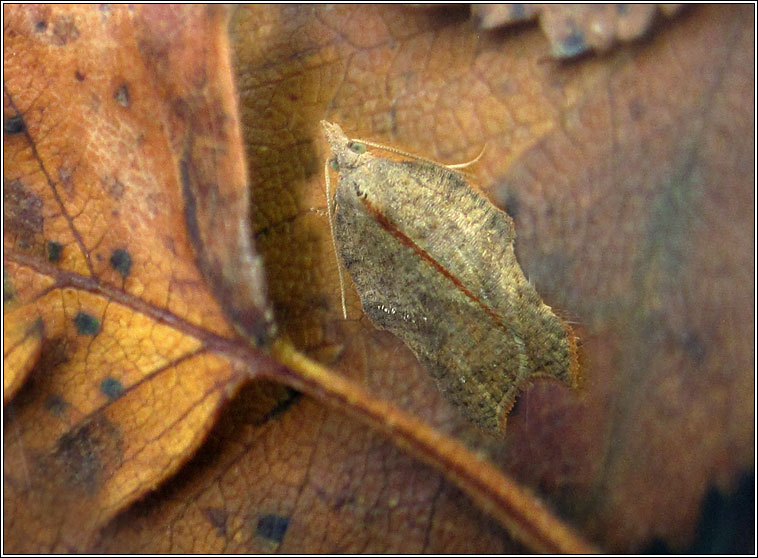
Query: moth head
point(346, 153)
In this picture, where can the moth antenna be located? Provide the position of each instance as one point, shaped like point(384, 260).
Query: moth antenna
point(397, 151)
point(469, 163)
point(330, 212)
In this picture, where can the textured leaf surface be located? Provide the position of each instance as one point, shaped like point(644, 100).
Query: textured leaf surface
point(627, 176)
point(109, 325)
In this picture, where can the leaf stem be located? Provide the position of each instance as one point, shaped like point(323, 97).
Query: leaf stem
point(525, 516)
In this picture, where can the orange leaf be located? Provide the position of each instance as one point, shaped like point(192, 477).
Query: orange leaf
point(122, 139)
point(100, 268)
point(127, 246)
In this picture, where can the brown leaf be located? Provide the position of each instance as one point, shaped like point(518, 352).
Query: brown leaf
point(108, 319)
point(125, 202)
point(583, 156)
point(609, 168)
point(283, 473)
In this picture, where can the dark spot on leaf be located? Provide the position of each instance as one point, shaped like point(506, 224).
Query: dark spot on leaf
point(190, 210)
point(122, 95)
point(693, 346)
point(636, 110)
point(64, 30)
point(112, 388)
point(86, 324)
point(55, 404)
point(517, 11)
point(259, 337)
point(40, 26)
point(726, 525)
point(179, 107)
point(82, 455)
point(121, 261)
point(571, 45)
point(55, 351)
point(339, 500)
point(511, 202)
point(272, 527)
point(727, 521)
point(79, 76)
point(113, 187)
point(14, 125)
point(65, 175)
point(54, 250)
point(37, 329)
point(217, 518)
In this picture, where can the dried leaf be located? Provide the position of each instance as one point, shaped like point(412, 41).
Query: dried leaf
point(573, 29)
point(615, 171)
point(609, 168)
point(107, 317)
point(114, 229)
point(283, 473)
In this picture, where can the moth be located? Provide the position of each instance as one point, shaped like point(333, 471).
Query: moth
point(433, 262)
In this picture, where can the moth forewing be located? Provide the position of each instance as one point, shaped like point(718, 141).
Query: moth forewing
point(433, 262)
